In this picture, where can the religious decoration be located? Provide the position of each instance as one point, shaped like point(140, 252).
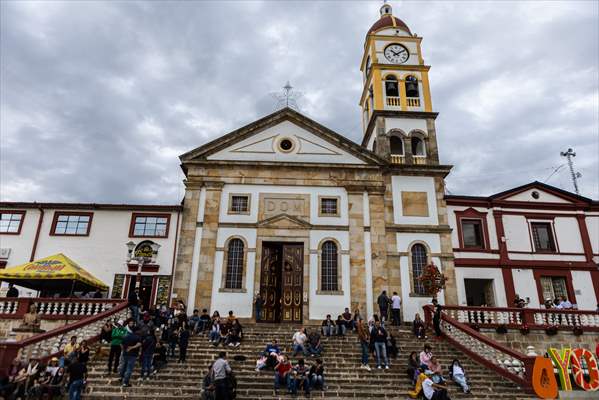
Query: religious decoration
point(432, 280)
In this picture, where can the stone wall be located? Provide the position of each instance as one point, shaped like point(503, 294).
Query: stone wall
point(8, 324)
point(541, 341)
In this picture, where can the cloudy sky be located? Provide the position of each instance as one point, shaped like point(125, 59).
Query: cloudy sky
point(99, 99)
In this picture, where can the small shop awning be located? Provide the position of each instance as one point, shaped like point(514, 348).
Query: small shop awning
point(54, 273)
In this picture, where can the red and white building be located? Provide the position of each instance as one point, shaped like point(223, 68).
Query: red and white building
point(535, 240)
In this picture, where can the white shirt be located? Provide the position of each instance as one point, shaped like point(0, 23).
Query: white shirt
point(396, 300)
point(427, 388)
point(457, 370)
point(299, 338)
point(565, 304)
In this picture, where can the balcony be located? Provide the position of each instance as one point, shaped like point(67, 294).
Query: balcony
point(393, 101)
point(398, 159)
point(419, 160)
point(413, 101)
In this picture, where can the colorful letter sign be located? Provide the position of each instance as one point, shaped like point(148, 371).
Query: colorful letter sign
point(577, 356)
point(543, 380)
point(562, 361)
point(543, 377)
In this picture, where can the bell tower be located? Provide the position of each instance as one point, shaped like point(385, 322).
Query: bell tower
point(397, 114)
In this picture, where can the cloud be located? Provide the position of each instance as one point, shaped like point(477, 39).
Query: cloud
point(99, 98)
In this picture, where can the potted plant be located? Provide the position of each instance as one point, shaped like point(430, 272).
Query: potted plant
point(551, 330)
point(577, 331)
point(525, 330)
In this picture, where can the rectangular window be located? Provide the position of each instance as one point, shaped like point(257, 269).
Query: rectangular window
point(554, 287)
point(542, 235)
point(11, 222)
point(472, 233)
point(239, 204)
point(149, 225)
point(71, 224)
point(329, 206)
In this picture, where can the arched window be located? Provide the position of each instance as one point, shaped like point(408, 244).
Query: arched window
point(235, 255)
point(412, 86)
point(391, 88)
point(329, 266)
point(419, 260)
point(418, 146)
point(396, 144)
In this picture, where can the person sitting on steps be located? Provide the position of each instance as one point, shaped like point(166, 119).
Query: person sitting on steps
point(432, 390)
point(425, 356)
point(341, 329)
point(314, 344)
point(328, 326)
point(283, 374)
point(413, 369)
point(418, 327)
point(299, 342)
point(348, 320)
point(317, 375)
point(300, 378)
point(457, 374)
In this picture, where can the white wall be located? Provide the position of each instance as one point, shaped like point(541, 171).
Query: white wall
point(593, 228)
point(406, 124)
point(240, 303)
point(526, 286)
point(321, 305)
point(544, 197)
point(567, 234)
point(414, 184)
point(103, 253)
point(516, 233)
point(481, 273)
point(583, 288)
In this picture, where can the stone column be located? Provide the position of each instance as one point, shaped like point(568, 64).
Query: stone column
point(208, 244)
point(355, 200)
point(187, 234)
point(448, 267)
point(380, 275)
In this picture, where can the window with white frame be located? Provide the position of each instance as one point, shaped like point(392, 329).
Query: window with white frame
point(71, 224)
point(419, 260)
point(329, 266)
point(235, 257)
point(150, 226)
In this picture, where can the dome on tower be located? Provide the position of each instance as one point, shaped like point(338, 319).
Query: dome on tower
point(387, 20)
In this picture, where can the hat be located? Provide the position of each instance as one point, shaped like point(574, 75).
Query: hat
point(54, 359)
point(120, 322)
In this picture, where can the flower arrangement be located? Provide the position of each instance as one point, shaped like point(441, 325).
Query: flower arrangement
point(525, 330)
point(577, 331)
point(551, 330)
point(432, 280)
point(501, 329)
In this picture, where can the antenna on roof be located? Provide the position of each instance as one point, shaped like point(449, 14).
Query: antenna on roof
point(287, 98)
point(575, 175)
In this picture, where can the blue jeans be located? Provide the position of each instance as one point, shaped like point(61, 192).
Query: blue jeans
point(129, 365)
point(258, 313)
point(134, 312)
point(314, 350)
point(328, 330)
point(381, 352)
point(341, 329)
point(279, 380)
point(297, 382)
point(75, 389)
point(298, 348)
point(214, 336)
point(146, 363)
point(365, 349)
point(460, 379)
point(317, 381)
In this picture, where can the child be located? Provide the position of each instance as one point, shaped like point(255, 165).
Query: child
point(457, 374)
point(159, 356)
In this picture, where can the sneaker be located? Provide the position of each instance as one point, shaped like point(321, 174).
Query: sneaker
point(237, 344)
point(126, 385)
point(368, 368)
point(378, 367)
point(386, 367)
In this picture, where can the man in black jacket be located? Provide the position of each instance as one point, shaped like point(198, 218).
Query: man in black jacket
point(133, 299)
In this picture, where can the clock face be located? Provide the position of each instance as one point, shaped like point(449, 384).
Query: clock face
point(396, 53)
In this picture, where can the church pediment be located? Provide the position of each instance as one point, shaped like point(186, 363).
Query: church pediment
point(284, 221)
point(538, 192)
point(287, 137)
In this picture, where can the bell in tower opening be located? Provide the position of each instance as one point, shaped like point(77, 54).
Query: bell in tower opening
point(391, 88)
point(412, 86)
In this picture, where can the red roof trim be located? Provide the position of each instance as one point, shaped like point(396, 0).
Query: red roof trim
point(91, 206)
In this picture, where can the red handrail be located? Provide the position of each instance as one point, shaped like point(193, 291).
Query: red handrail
point(527, 361)
point(10, 350)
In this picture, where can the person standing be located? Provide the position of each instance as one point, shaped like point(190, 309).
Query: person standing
point(220, 369)
point(437, 318)
point(77, 375)
point(379, 338)
point(133, 299)
point(396, 309)
point(258, 304)
point(12, 292)
point(183, 342)
point(364, 339)
point(117, 335)
point(148, 346)
point(383, 301)
point(131, 345)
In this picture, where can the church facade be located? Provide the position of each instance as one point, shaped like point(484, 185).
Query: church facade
point(313, 222)
point(290, 210)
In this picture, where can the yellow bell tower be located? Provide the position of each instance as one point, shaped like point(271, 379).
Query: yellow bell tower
point(396, 100)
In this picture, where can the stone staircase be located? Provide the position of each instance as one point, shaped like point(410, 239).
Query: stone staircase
point(341, 357)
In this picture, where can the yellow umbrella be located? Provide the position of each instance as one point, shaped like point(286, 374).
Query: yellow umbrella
point(56, 272)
